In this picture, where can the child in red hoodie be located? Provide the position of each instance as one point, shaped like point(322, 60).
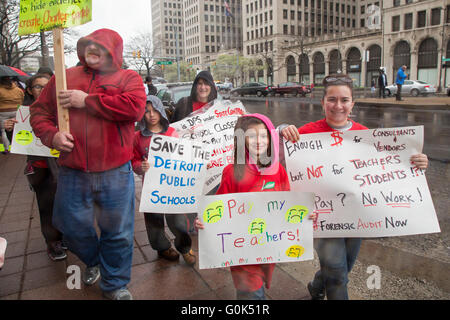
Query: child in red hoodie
point(255, 169)
point(155, 121)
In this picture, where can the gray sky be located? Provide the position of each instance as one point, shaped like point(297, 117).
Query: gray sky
point(128, 18)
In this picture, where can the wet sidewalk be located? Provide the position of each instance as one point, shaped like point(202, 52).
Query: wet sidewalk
point(28, 273)
point(429, 102)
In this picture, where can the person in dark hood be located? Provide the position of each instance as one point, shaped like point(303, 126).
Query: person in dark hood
point(203, 91)
point(155, 121)
point(96, 180)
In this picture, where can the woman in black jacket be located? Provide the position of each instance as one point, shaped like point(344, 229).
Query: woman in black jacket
point(203, 91)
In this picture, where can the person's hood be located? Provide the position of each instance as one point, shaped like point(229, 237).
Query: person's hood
point(205, 75)
point(158, 105)
point(274, 137)
point(108, 39)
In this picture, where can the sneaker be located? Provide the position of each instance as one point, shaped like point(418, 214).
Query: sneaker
point(120, 294)
point(169, 254)
point(315, 294)
point(91, 275)
point(55, 252)
point(189, 258)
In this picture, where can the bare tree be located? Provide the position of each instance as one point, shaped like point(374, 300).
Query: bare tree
point(139, 52)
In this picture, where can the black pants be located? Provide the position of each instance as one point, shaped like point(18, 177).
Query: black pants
point(381, 92)
point(44, 186)
point(178, 225)
point(399, 92)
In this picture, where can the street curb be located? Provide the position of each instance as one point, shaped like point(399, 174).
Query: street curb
point(405, 264)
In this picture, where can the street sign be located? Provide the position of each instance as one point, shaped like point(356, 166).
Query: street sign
point(163, 62)
point(447, 59)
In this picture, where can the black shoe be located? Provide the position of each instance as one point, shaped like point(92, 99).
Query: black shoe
point(315, 294)
point(55, 251)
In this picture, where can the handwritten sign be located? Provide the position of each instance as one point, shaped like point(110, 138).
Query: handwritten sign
point(255, 228)
point(176, 176)
point(24, 139)
point(43, 15)
point(213, 125)
point(364, 182)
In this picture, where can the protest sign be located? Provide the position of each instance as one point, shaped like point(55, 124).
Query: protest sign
point(213, 125)
point(24, 141)
point(364, 183)
point(255, 228)
point(44, 15)
point(55, 15)
point(176, 175)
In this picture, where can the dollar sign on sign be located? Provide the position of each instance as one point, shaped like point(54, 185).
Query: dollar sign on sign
point(337, 138)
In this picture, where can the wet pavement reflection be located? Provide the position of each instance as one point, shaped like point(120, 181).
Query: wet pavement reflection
point(436, 122)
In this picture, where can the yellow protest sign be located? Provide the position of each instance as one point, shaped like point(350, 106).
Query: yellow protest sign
point(44, 15)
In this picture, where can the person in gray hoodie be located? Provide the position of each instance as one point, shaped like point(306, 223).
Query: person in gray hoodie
point(155, 121)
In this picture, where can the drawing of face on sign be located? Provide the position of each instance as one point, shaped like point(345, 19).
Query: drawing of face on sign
point(257, 226)
point(295, 251)
point(296, 214)
point(24, 137)
point(213, 212)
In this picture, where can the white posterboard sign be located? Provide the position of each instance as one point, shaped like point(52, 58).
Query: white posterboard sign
point(213, 125)
point(364, 182)
point(176, 176)
point(24, 139)
point(255, 228)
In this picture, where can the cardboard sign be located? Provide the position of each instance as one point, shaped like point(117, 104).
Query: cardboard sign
point(176, 176)
point(44, 15)
point(213, 125)
point(364, 182)
point(24, 139)
point(255, 228)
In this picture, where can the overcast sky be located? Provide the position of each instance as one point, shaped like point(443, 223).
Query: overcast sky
point(128, 18)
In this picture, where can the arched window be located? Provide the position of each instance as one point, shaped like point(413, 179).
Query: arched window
point(291, 68)
point(428, 54)
point(335, 62)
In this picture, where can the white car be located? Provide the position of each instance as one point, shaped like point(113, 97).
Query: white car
point(412, 87)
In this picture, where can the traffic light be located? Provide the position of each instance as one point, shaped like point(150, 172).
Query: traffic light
point(139, 53)
point(134, 54)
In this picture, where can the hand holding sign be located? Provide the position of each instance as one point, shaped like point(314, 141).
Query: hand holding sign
point(72, 98)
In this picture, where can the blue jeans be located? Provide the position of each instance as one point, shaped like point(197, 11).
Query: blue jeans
point(337, 257)
point(254, 295)
point(108, 198)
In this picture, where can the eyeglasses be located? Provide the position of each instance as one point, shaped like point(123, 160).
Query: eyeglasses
point(333, 79)
point(37, 86)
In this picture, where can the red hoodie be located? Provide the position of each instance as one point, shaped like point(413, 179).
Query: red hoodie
point(104, 129)
point(252, 277)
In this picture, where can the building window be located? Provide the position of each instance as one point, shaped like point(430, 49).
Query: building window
point(421, 19)
point(396, 3)
point(408, 23)
point(396, 23)
point(435, 16)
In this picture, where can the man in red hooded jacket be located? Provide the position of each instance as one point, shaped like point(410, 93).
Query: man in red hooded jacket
point(104, 102)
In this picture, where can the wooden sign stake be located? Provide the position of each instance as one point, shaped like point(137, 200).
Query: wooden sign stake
point(60, 77)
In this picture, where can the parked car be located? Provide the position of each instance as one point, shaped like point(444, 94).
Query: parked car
point(225, 86)
point(258, 88)
point(170, 96)
point(294, 88)
point(412, 87)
